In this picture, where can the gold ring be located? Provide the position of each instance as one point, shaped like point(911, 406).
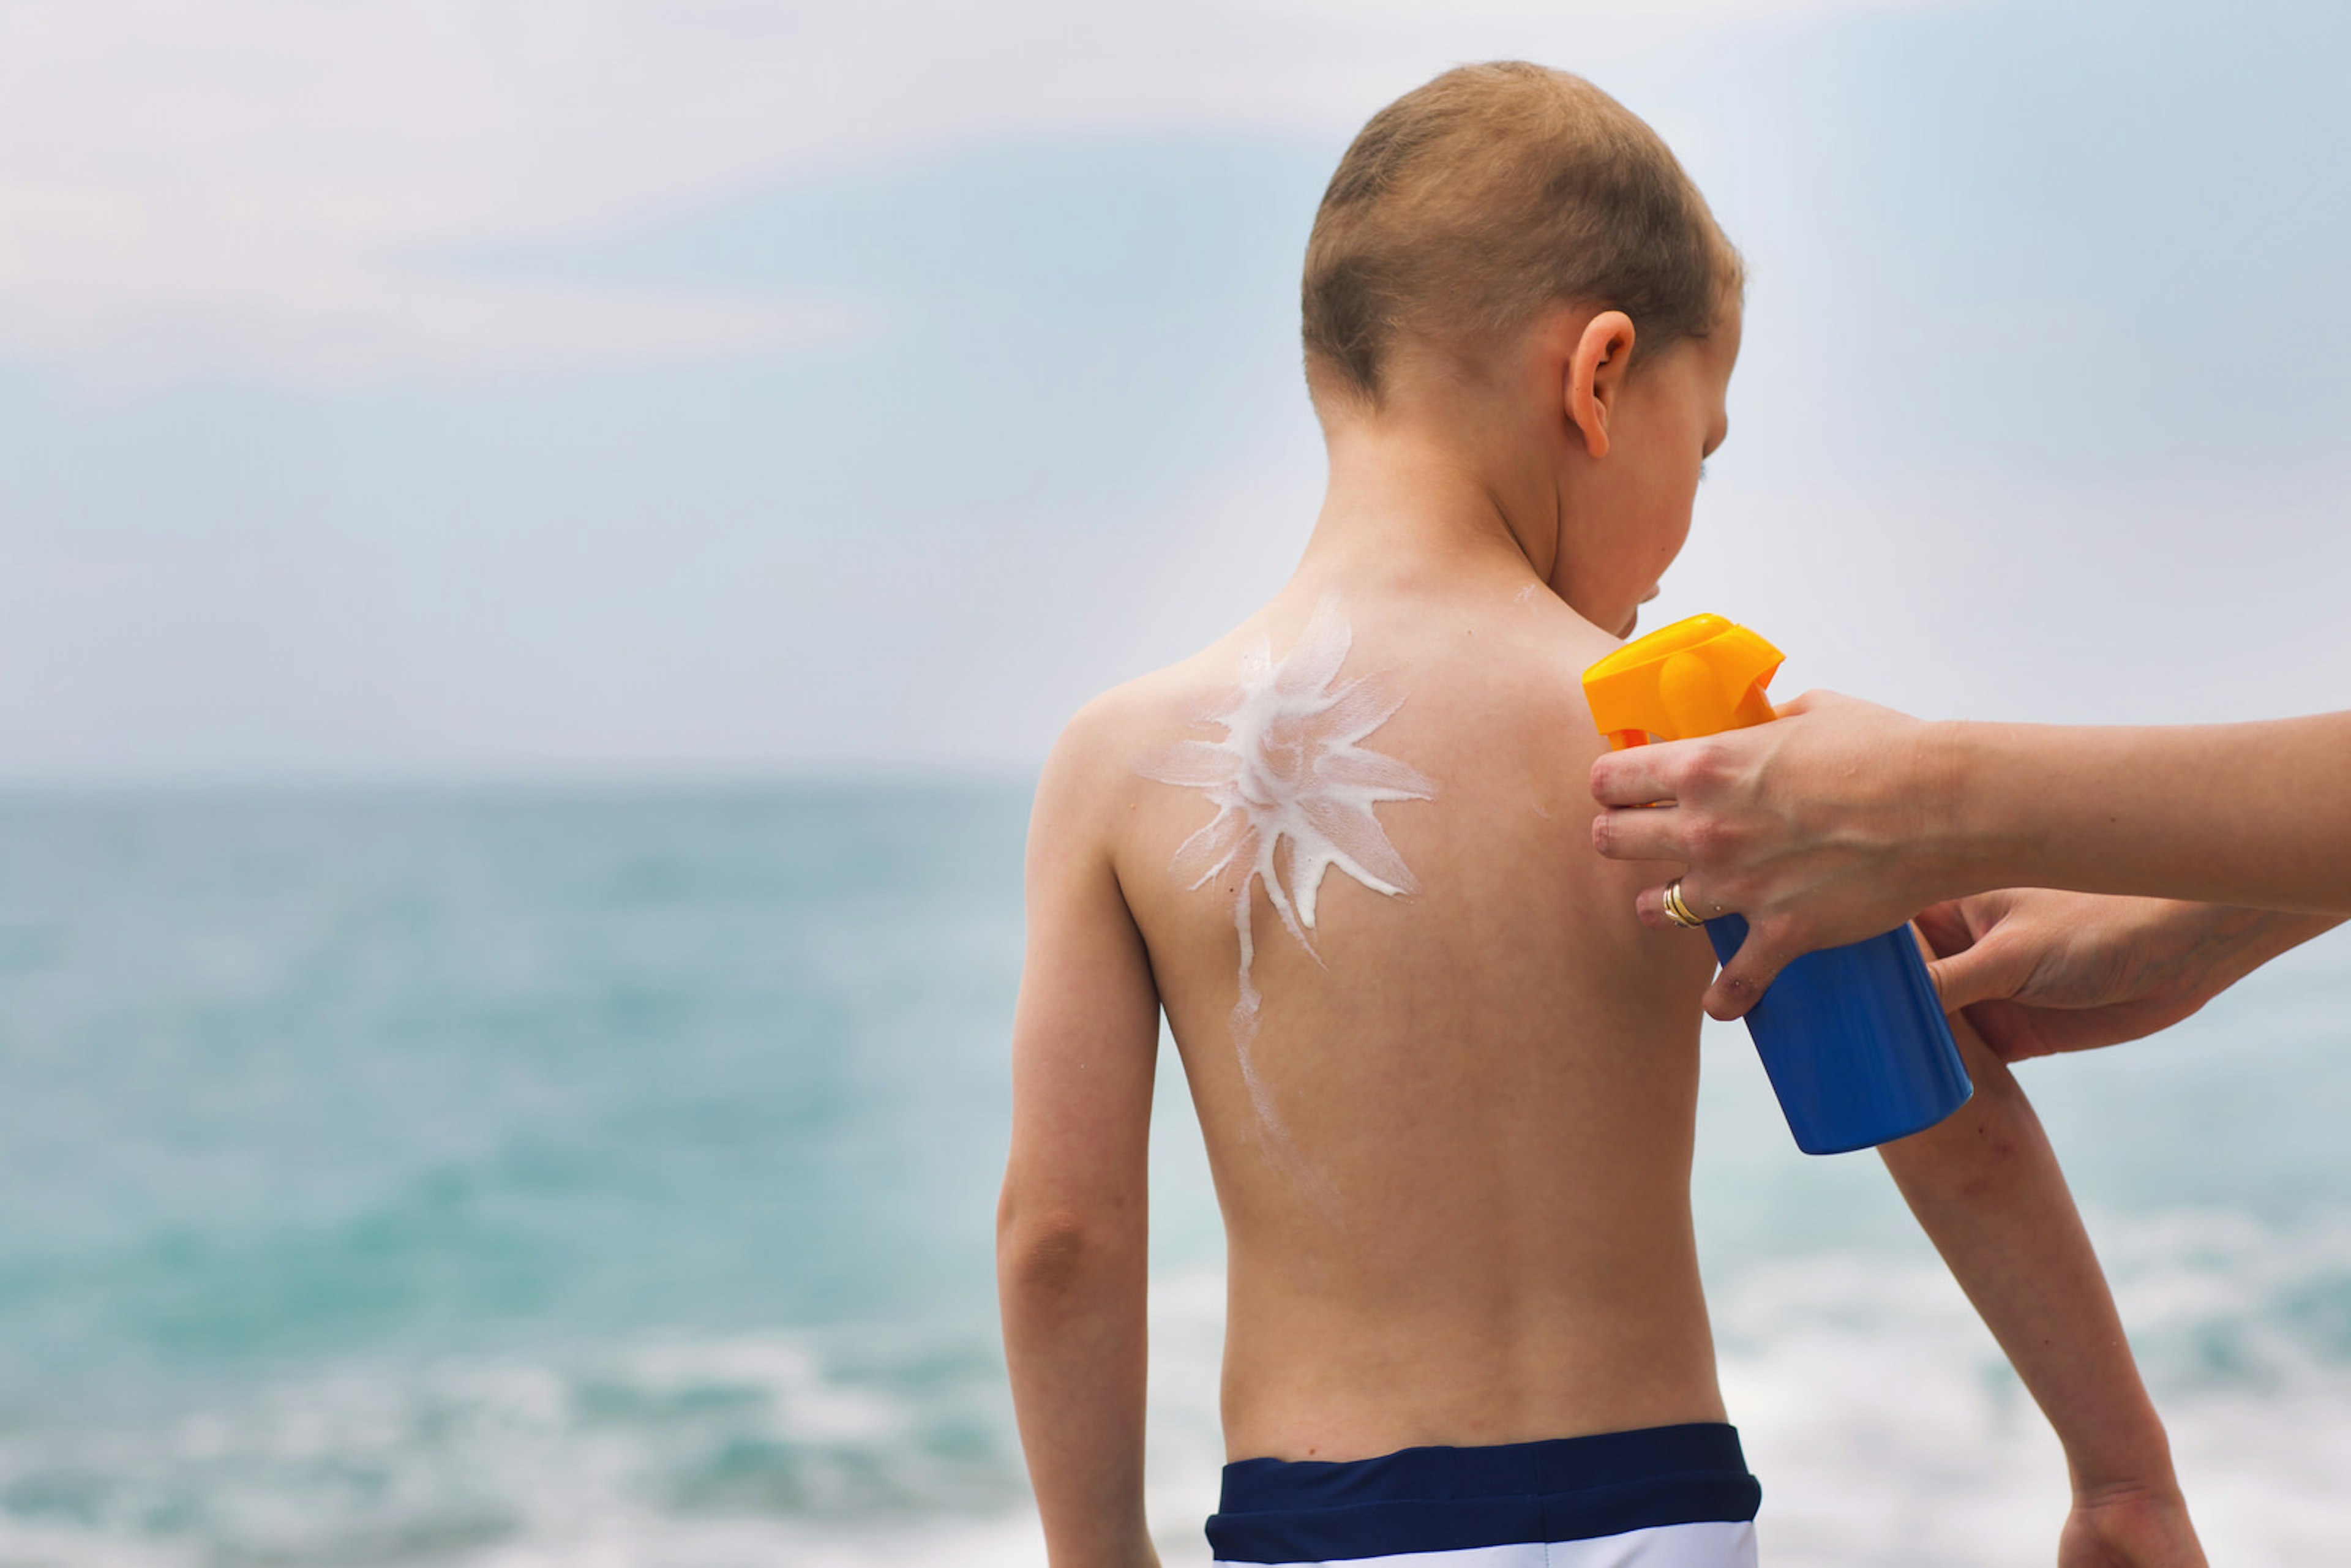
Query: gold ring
point(1676, 910)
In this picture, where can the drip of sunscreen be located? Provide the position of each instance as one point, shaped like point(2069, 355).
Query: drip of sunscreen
point(1854, 1041)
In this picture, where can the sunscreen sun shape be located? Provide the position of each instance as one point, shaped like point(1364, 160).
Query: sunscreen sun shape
point(1292, 769)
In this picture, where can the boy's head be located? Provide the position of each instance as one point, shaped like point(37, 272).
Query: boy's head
point(1471, 206)
point(1517, 234)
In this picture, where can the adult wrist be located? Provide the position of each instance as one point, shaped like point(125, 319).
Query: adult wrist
point(1953, 782)
point(2235, 942)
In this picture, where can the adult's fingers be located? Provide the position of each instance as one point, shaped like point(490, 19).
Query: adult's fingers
point(1649, 904)
point(1638, 775)
point(1640, 833)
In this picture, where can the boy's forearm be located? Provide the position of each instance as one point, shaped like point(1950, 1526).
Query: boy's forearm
point(1986, 1187)
point(1074, 1315)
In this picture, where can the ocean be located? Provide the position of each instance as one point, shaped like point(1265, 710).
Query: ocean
point(501, 1179)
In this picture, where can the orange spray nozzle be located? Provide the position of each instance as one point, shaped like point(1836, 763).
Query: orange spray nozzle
point(1695, 677)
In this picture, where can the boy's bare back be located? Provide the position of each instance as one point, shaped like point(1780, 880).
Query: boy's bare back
point(1456, 1199)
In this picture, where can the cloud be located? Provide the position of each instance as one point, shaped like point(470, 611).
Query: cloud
point(279, 185)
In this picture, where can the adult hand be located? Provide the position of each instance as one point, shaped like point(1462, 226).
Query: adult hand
point(2038, 971)
point(1821, 829)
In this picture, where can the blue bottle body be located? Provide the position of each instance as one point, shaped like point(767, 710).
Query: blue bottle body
point(1856, 1046)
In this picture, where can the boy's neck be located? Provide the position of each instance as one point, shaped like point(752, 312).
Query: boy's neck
point(1406, 503)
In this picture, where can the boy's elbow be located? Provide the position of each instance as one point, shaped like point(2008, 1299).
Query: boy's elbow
point(1045, 1252)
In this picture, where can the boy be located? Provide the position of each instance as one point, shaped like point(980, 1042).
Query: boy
point(1448, 1084)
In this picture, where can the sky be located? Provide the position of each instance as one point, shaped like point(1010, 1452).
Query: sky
point(651, 389)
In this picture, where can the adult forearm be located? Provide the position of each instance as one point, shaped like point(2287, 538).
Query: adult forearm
point(1985, 1186)
point(2250, 814)
point(1073, 1296)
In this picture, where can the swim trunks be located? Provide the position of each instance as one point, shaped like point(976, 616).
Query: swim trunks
point(1663, 1497)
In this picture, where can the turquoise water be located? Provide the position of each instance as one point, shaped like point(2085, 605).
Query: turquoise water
point(575, 1177)
point(343, 1130)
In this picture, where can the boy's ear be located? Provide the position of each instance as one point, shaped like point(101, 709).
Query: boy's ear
point(1595, 376)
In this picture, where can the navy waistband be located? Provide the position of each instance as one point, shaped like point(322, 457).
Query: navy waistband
point(1442, 1499)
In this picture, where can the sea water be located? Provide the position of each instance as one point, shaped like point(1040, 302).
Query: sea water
point(518, 1178)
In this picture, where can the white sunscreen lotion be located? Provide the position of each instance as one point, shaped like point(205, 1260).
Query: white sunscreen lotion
point(1292, 768)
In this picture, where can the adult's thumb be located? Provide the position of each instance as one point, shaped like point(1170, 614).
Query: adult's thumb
point(1994, 969)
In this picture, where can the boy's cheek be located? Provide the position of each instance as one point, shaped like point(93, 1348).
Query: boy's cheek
point(1669, 514)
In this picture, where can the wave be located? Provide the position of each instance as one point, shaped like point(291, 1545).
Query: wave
point(815, 1449)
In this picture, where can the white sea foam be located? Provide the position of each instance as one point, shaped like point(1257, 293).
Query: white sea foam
point(752, 1448)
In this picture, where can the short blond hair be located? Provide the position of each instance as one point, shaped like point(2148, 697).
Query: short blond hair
point(1473, 204)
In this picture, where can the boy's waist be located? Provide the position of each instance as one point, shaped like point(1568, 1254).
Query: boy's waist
point(1378, 1375)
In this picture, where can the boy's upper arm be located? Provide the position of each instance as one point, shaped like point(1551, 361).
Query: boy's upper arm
point(1085, 1034)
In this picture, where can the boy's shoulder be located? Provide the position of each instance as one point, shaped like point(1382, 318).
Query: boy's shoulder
point(1120, 727)
point(1093, 778)
point(1105, 731)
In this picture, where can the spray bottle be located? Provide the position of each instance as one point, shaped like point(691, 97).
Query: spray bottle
point(1855, 1044)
